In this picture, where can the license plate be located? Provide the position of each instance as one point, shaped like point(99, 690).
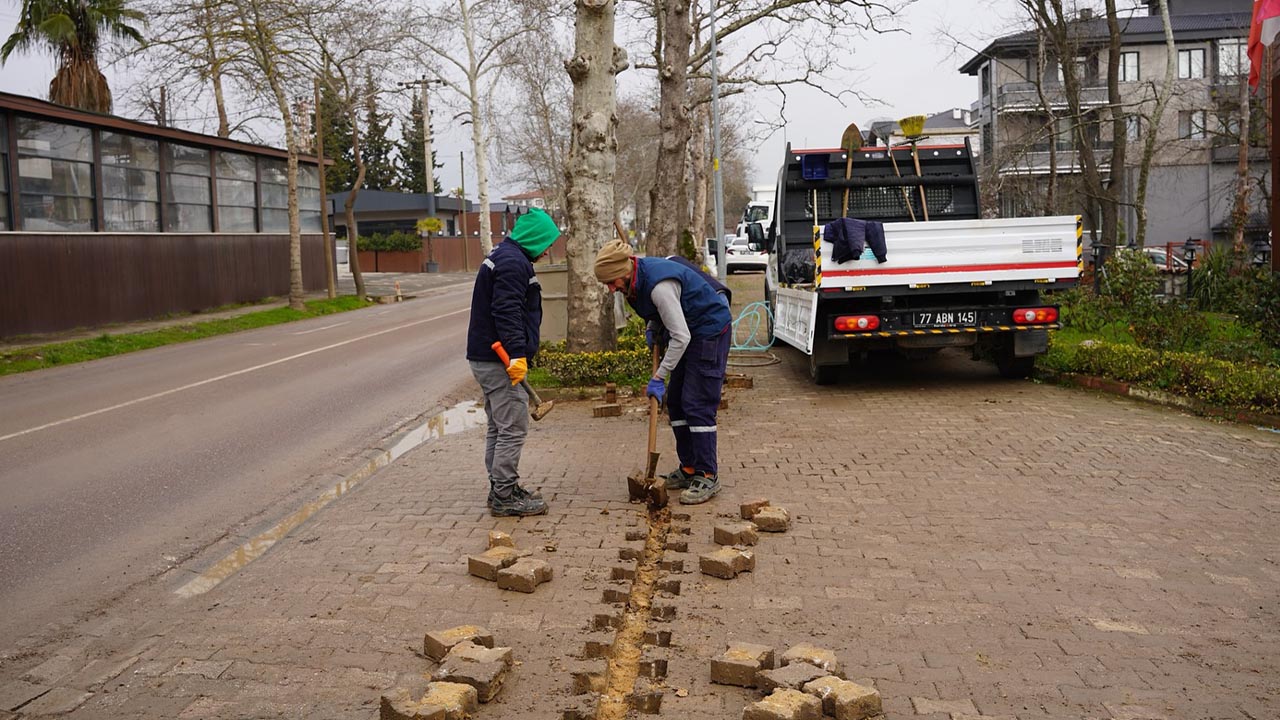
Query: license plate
point(945, 319)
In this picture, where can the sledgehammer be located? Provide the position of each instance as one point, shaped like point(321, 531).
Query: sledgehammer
point(540, 409)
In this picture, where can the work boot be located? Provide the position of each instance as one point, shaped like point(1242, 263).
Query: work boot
point(516, 504)
point(678, 479)
point(518, 489)
point(701, 489)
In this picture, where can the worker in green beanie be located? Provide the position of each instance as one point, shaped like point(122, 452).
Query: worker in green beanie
point(506, 308)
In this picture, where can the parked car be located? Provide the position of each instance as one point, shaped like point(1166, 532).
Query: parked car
point(741, 254)
point(1163, 260)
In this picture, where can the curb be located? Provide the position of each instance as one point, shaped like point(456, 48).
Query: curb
point(1262, 420)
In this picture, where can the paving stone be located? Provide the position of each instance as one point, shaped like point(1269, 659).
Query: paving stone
point(793, 676)
point(607, 410)
point(437, 643)
point(814, 655)
point(443, 701)
point(845, 700)
point(487, 564)
point(727, 562)
point(924, 706)
point(772, 519)
point(497, 538)
point(485, 677)
point(13, 694)
point(785, 704)
point(525, 576)
point(739, 664)
point(738, 381)
point(735, 533)
point(58, 701)
point(749, 508)
point(468, 651)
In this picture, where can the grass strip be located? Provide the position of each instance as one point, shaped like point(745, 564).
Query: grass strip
point(107, 344)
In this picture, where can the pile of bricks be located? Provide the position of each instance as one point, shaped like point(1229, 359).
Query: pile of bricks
point(611, 407)
point(509, 566)
point(734, 558)
point(805, 683)
point(470, 670)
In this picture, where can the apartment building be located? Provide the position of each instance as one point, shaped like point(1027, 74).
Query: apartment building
point(1022, 118)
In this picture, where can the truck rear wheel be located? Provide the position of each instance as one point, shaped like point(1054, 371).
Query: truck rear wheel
point(1014, 368)
point(823, 374)
point(771, 302)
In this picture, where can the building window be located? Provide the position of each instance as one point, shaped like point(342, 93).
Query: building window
point(1133, 128)
point(275, 195)
point(1233, 58)
point(130, 183)
point(1191, 64)
point(1129, 71)
point(55, 175)
point(4, 175)
point(1192, 124)
point(309, 198)
point(986, 80)
point(237, 203)
point(187, 196)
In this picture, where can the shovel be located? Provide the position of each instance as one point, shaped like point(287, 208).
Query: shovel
point(646, 486)
point(539, 409)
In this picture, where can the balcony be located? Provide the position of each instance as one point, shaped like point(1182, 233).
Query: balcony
point(1231, 154)
point(1023, 97)
point(1036, 160)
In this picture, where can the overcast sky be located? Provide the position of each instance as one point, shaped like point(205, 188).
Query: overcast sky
point(912, 72)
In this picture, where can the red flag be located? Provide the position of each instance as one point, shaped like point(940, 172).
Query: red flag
point(1262, 33)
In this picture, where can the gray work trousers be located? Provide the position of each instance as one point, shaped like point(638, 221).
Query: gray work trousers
point(507, 406)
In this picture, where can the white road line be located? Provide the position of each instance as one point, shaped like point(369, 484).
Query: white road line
point(326, 327)
point(208, 381)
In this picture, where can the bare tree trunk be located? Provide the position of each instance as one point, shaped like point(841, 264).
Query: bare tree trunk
point(671, 201)
point(215, 72)
point(1240, 213)
point(1152, 133)
point(1051, 201)
point(698, 177)
point(1114, 194)
point(589, 171)
point(353, 232)
point(478, 138)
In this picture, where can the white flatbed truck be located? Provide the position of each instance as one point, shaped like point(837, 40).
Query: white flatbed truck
point(953, 281)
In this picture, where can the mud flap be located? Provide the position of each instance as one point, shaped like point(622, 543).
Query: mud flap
point(1030, 342)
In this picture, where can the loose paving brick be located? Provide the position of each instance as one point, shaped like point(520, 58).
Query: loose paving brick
point(735, 533)
point(784, 704)
point(489, 563)
point(814, 655)
point(794, 676)
point(525, 575)
point(924, 706)
point(442, 701)
point(749, 508)
point(437, 643)
point(468, 651)
point(486, 677)
point(739, 664)
point(727, 563)
point(497, 538)
point(607, 410)
point(772, 519)
point(845, 700)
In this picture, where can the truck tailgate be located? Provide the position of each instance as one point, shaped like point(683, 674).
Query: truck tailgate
point(1042, 249)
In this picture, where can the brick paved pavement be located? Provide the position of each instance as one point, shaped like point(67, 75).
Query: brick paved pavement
point(972, 546)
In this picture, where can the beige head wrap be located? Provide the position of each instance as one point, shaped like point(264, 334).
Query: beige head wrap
point(613, 261)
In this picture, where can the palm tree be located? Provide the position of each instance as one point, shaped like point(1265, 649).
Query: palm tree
point(74, 30)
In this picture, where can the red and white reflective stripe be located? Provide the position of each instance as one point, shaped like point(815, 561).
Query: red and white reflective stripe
point(949, 269)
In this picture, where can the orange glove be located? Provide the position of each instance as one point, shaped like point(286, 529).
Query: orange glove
point(517, 370)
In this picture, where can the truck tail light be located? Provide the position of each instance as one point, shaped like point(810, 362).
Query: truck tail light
point(1035, 316)
point(857, 323)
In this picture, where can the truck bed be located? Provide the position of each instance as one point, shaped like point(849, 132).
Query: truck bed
point(1045, 250)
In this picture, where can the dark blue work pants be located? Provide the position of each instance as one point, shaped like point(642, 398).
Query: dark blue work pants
point(693, 397)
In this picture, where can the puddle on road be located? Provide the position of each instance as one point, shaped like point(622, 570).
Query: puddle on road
point(456, 419)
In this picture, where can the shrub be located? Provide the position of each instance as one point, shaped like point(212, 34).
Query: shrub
point(1170, 326)
point(595, 368)
point(1217, 382)
point(1131, 281)
point(1264, 312)
point(390, 242)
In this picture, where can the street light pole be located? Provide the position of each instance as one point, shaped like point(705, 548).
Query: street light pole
point(429, 182)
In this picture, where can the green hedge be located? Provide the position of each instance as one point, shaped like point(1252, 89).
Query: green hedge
point(629, 364)
point(1237, 386)
point(389, 242)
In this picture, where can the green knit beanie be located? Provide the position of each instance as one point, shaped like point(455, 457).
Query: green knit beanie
point(534, 232)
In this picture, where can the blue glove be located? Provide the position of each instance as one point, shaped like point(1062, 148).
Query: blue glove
point(656, 389)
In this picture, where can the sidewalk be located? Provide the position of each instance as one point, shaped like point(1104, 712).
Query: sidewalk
point(376, 284)
point(973, 547)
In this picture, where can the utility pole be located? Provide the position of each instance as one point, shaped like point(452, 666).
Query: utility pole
point(329, 249)
point(429, 178)
point(721, 270)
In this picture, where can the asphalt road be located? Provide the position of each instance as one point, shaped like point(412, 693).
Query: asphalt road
point(115, 471)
